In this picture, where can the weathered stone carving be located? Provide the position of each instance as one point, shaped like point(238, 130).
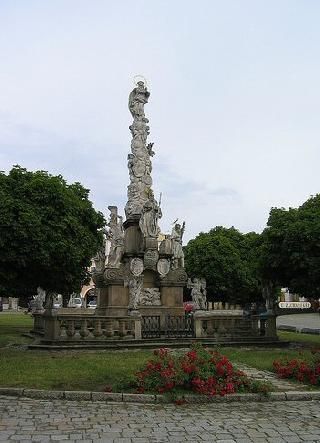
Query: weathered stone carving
point(139, 162)
point(39, 298)
point(198, 293)
point(166, 246)
point(50, 297)
point(176, 239)
point(175, 276)
point(113, 274)
point(163, 267)
point(136, 266)
point(137, 99)
point(151, 257)
point(150, 297)
point(135, 285)
point(116, 237)
point(151, 213)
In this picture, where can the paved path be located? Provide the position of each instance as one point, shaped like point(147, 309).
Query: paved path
point(300, 320)
point(280, 384)
point(26, 420)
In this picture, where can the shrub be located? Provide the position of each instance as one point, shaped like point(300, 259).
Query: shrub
point(300, 369)
point(199, 370)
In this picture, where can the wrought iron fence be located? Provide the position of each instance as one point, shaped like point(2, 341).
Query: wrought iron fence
point(179, 326)
point(150, 326)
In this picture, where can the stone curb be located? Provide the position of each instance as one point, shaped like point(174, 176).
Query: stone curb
point(147, 398)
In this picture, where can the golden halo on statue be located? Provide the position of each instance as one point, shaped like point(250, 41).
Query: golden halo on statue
point(140, 78)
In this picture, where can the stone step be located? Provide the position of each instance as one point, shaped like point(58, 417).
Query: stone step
point(159, 343)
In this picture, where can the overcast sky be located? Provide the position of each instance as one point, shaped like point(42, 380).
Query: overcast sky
point(234, 106)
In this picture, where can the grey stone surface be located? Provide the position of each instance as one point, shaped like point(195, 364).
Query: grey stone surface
point(77, 395)
point(38, 420)
point(298, 395)
point(38, 393)
point(300, 321)
point(106, 396)
point(138, 398)
point(11, 391)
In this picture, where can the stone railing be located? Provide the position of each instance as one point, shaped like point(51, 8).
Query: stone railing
point(233, 325)
point(66, 327)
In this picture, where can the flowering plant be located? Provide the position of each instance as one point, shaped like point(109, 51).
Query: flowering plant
point(300, 369)
point(200, 370)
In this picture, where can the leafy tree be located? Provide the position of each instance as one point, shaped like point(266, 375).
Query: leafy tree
point(228, 261)
point(49, 231)
point(290, 250)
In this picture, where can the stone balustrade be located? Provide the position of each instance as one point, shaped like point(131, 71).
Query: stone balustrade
point(66, 327)
point(74, 329)
point(232, 324)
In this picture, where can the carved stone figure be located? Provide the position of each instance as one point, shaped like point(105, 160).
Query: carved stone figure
point(176, 239)
point(150, 297)
point(139, 162)
point(151, 213)
point(149, 148)
point(39, 298)
point(50, 296)
point(137, 99)
point(198, 293)
point(203, 284)
point(116, 237)
point(135, 285)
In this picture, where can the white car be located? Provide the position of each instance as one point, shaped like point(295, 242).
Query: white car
point(75, 303)
point(92, 304)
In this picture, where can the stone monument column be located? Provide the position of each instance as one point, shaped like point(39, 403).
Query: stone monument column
point(139, 277)
point(142, 210)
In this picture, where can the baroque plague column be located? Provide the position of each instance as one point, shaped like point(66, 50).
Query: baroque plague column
point(138, 274)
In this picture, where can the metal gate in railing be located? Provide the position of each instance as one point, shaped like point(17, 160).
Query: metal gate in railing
point(150, 326)
point(179, 326)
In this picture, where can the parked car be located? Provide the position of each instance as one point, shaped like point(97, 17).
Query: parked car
point(57, 304)
point(75, 303)
point(92, 304)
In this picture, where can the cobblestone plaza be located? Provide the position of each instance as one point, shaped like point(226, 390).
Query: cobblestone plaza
point(31, 420)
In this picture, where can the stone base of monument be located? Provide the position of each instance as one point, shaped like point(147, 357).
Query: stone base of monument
point(139, 276)
point(154, 327)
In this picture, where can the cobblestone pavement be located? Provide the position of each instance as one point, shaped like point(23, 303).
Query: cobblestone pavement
point(29, 420)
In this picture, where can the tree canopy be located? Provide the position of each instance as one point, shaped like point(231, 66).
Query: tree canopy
point(227, 259)
point(290, 251)
point(49, 231)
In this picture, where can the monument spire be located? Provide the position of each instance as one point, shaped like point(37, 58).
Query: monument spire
point(139, 160)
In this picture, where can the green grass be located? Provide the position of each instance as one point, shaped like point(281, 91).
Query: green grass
point(94, 370)
point(263, 358)
point(72, 370)
point(311, 339)
point(12, 326)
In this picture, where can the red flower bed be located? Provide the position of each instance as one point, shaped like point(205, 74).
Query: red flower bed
point(299, 369)
point(199, 370)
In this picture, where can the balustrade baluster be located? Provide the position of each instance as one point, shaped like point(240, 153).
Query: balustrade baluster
point(97, 331)
point(84, 331)
point(122, 328)
point(109, 328)
point(70, 330)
